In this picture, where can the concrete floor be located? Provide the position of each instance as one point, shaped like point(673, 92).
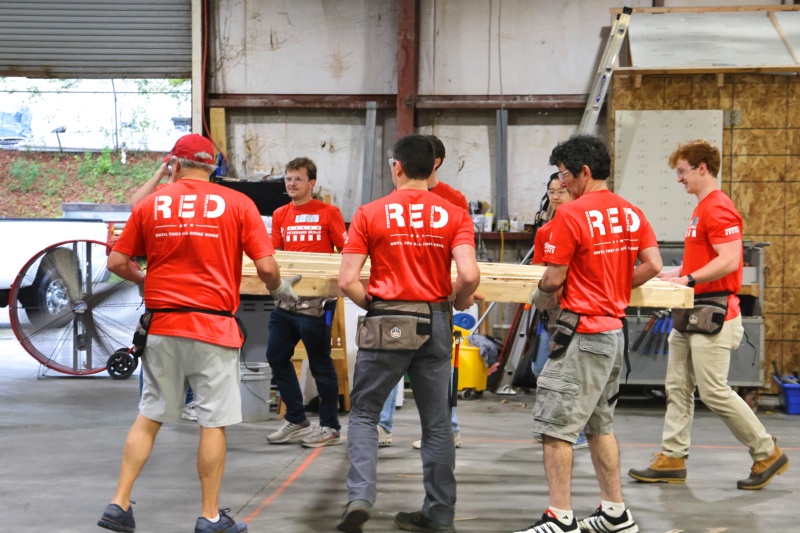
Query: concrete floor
point(62, 437)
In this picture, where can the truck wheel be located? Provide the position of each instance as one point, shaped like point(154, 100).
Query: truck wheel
point(48, 301)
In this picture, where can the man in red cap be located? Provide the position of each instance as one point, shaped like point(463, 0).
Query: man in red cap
point(193, 234)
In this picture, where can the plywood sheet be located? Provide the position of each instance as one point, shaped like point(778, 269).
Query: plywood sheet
point(643, 143)
point(500, 282)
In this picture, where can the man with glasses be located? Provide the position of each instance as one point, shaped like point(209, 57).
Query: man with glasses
point(594, 243)
point(713, 262)
point(304, 225)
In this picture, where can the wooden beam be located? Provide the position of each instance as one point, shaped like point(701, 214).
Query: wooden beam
point(663, 71)
point(707, 9)
point(508, 101)
point(500, 282)
point(407, 61)
point(218, 129)
point(302, 101)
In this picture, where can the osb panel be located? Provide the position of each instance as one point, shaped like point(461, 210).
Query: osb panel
point(725, 96)
point(623, 94)
point(791, 269)
point(791, 301)
point(791, 359)
point(705, 92)
point(791, 328)
point(793, 105)
point(752, 199)
point(774, 326)
point(758, 168)
point(727, 142)
point(774, 300)
point(677, 93)
point(650, 95)
point(793, 168)
point(792, 216)
point(773, 350)
point(774, 268)
point(763, 105)
point(759, 141)
point(793, 141)
point(756, 78)
point(726, 180)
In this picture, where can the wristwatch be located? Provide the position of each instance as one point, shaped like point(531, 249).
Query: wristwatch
point(690, 281)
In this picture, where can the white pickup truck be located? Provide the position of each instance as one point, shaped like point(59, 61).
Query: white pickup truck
point(23, 238)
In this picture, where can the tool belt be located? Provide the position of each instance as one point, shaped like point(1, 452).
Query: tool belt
point(565, 327)
point(706, 317)
point(397, 325)
point(140, 335)
point(314, 307)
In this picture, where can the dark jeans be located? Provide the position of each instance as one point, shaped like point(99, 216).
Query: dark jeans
point(286, 329)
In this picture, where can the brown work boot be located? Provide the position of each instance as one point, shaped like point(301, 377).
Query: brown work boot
point(663, 469)
point(763, 471)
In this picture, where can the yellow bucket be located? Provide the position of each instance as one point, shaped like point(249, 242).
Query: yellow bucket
point(472, 371)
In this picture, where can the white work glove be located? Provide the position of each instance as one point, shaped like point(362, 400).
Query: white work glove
point(543, 300)
point(284, 292)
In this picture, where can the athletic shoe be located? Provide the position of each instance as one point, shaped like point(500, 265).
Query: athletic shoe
point(322, 436)
point(600, 522)
point(189, 412)
point(355, 515)
point(417, 521)
point(550, 524)
point(225, 524)
point(762, 472)
point(417, 444)
point(289, 432)
point(115, 519)
point(384, 437)
point(581, 442)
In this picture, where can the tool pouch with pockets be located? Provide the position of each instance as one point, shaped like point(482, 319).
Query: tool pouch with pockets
point(565, 328)
point(706, 317)
point(313, 307)
point(394, 326)
point(140, 335)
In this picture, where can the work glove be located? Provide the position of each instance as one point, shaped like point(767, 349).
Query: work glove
point(543, 300)
point(284, 292)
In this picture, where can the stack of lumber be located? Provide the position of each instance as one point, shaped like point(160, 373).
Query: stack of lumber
point(500, 282)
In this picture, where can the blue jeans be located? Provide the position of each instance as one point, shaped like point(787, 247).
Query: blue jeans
point(386, 420)
point(542, 353)
point(286, 329)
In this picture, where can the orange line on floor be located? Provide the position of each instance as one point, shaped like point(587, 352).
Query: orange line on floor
point(285, 485)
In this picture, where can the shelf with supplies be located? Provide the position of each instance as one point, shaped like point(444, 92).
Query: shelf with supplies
point(506, 235)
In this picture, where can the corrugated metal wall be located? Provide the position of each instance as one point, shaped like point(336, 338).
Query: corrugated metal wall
point(96, 38)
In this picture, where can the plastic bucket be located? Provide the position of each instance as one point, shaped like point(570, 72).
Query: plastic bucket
point(255, 383)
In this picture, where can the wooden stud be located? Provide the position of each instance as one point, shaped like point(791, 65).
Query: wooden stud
point(218, 129)
point(637, 81)
point(720, 80)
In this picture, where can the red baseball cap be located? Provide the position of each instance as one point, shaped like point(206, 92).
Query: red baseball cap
point(194, 147)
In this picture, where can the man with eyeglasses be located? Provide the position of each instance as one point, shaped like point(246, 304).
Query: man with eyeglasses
point(304, 225)
point(713, 260)
point(594, 243)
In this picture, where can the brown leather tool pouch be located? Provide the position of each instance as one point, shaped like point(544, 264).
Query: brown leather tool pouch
point(565, 328)
point(305, 306)
point(706, 317)
point(394, 326)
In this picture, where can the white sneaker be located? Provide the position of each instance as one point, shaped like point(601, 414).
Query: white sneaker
point(417, 444)
point(384, 437)
point(322, 436)
point(600, 522)
point(189, 412)
point(289, 432)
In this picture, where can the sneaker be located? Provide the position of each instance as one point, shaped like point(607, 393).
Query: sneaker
point(322, 436)
point(663, 469)
point(225, 524)
point(417, 444)
point(189, 412)
point(115, 519)
point(355, 515)
point(764, 471)
point(551, 524)
point(289, 432)
point(581, 443)
point(600, 522)
point(419, 522)
point(384, 437)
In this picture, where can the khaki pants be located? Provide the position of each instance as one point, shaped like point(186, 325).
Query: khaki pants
point(704, 361)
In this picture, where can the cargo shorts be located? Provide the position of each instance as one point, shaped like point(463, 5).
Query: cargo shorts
point(573, 390)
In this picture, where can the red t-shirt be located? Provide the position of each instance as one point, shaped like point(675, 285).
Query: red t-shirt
point(409, 236)
point(714, 221)
point(450, 194)
point(193, 234)
point(599, 236)
point(312, 227)
point(542, 234)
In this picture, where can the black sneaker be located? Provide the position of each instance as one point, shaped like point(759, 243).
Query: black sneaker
point(225, 524)
point(115, 519)
point(600, 522)
point(550, 524)
point(355, 515)
point(419, 522)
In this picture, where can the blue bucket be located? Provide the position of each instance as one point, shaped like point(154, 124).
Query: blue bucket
point(464, 320)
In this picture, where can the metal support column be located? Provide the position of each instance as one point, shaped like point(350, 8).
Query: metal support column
point(501, 209)
point(369, 153)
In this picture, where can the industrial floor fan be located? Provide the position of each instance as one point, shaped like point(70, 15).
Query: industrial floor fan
point(71, 313)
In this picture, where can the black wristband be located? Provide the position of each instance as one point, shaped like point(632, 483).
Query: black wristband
point(690, 280)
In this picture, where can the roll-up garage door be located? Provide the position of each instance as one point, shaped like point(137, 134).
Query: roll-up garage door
point(95, 38)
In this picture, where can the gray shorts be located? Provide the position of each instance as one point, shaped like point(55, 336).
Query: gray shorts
point(572, 391)
point(171, 363)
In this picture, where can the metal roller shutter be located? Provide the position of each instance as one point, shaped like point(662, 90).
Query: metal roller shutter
point(96, 38)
